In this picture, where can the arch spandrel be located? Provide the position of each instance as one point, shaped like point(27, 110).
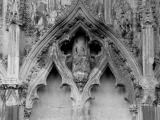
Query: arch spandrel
point(126, 74)
point(31, 71)
point(92, 24)
point(122, 73)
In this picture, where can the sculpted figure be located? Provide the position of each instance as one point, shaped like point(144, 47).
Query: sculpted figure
point(80, 65)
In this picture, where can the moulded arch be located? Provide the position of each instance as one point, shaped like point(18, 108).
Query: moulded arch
point(79, 16)
point(78, 11)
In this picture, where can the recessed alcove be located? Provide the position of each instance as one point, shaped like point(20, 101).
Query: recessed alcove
point(109, 103)
point(54, 102)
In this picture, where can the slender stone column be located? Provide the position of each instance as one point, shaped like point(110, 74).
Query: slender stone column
point(148, 50)
point(12, 105)
point(13, 54)
point(108, 11)
point(2, 95)
point(11, 102)
point(52, 5)
point(11, 84)
point(148, 82)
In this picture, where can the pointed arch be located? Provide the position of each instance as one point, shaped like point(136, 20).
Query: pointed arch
point(79, 12)
point(35, 74)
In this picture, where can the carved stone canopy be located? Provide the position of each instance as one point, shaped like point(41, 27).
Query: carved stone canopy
point(80, 33)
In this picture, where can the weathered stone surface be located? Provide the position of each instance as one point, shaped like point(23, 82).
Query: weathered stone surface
point(81, 38)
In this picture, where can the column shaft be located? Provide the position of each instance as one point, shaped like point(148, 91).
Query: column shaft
point(148, 50)
point(108, 11)
point(13, 55)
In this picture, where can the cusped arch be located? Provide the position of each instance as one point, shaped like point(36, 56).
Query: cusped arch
point(43, 74)
point(40, 80)
point(120, 80)
point(78, 16)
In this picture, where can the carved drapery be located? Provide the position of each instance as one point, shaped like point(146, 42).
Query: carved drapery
point(81, 63)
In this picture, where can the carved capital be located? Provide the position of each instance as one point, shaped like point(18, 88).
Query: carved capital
point(10, 94)
point(147, 14)
point(14, 12)
point(148, 85)
point(17, 92)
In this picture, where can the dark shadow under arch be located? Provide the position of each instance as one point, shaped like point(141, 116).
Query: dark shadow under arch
point(109, 100)
point(52, 99)
point(107, 73)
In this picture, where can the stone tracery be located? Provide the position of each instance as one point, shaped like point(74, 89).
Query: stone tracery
point(80, 67)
